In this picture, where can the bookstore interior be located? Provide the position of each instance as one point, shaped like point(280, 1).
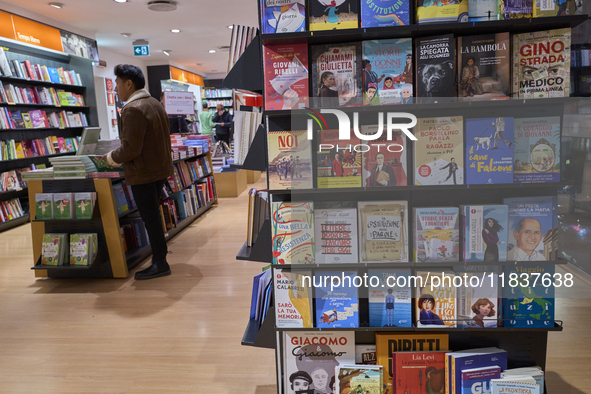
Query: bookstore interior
point(416, 178)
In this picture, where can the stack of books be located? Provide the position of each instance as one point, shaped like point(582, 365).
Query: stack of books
point(81, 249)
point(72, 167)
point(39, 174)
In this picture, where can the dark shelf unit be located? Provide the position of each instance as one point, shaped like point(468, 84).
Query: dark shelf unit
point(263, 337)
point(14, 222)
point(260, 251)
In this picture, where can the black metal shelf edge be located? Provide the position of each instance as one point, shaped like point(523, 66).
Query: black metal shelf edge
point(557, 327)
point(421, 265)
point(419, 30)
point(10, 194)
point(14, 222)
point(124, 214)
point(37, 82)
point(64, 267)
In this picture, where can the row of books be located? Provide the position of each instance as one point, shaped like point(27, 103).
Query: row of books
point(15, 119)
point(377, 231)
point(216, 93)
point(39, 95)
point(79, 205)
point(11, 180)
point(258, 211)
point(200, 194)
point(262, 296)
point(580, 57)
point(215, 103)
point(187, 173)
point(134, 234)
point(246, 125)
point(60, 249)
point(401, 298)
point(11, 209)
point(388, 71)
point(292, 15)
point(241, 39)
point(398, 363)
point(185, 147)
point(52, 145)
point(124, 200)
point(449, 151)
point(74, 167)
point(37, 72)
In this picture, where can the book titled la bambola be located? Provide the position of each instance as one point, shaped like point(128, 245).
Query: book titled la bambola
point(418, 372)
point(286, 76)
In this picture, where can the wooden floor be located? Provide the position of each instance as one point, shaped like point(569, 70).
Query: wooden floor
point(179, 334)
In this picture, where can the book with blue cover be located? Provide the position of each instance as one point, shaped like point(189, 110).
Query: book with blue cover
point(337, 302)
point(489, 152)
point(484, 232)
point(436, 235)
point(536, 150)
point(477, 380)
point(461, 361)
point(381, 13)
point(283, 16)
point(53, 75)
point(390, 300)
point(387, 71)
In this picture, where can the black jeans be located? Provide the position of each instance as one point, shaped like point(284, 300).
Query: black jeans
point(147, 199)
point(224, 137)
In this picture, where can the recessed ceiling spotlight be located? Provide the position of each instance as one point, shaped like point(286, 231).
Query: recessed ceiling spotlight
point(56, 5)
point(175, 31)
point(166, 52)
point(212, 51)
point(120, 1)
point(199, 64)
point(126, 35)
point(230, 27)
point(162, 5)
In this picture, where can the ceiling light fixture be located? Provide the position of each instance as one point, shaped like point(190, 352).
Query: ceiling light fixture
point(212, 51)
point(162, 5)
point(166, 52)
point(126, 35)
point(175, 31)
point(230, 27)
point(56, 5)
point(120, 1)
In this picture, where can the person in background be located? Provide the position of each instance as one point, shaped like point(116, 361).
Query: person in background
point(223, 121)
point(178, 123)
point(146, 152)
point(207, 124)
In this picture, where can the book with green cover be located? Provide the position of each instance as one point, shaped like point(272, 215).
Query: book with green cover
point(80, 249)
point(43, 206)
point(27, 120)
point(100, 163)
point(62, 206)
point(84, 205)
point(53, 247)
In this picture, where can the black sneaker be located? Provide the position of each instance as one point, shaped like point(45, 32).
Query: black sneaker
point(153, 271)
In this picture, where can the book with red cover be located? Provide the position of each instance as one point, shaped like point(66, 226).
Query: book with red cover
point(286, 76)
point(32, 74)
point(418, 372)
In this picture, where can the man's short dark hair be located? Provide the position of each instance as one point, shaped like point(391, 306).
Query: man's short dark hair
point(205, 105)
point(132, 73)
point(300, 375)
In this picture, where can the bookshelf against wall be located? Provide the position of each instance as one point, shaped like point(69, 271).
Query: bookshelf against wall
point(46, 99)
point(122, 238)
point(214, 96)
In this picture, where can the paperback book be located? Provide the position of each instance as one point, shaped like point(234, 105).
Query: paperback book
point(333, 14)
point(524, 385)
point(351, 378)
point(537, 150)
point(283, 16)
point(383, 235)
point(483, 10)
point(43, 206)
point(390, 300)
point(336, 74)
point(432, 11)
point(439, 151)
point(470, 359)
point(436, 300)
point(335, 234)
point(484, 232)
point(515, 9)
point(418, 372)
point(384, 162)
point(293, 299)
point(384, 13)
point(436, 237)
point(435, 67)
point(63, 207)
point(338, 164)
point(478, 306)
point(54, 249)
point(365, 354)
point(290, 160)
point(484, 66)
point(547, 8)
point(541, 64)
point(81, 249)
point(337, 304)
point(286, 76)
point(310, 358)
point(387, 71)
point(292, 231)
point(478, 380)
point(84, 204)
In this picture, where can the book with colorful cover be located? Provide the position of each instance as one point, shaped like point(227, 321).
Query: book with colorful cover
point(387, 343)
point(43, 206)
point(485, 229)
point(336, 75)
point(293, 299)
point(477, 380)
point(54, 249)
point(436, 236)
point(478, 305)
point(418, 372)
point(81, 249)
point(484, 67)
point(536, 150)
point(439, 151)
point(384, 13)
point(283, 16)
point(17, 119)
point(534, 372)
point(471, 359)
point(333, 14)
point(335, 233)
point(435, 67)
point(541, 64)
point(390, 301)
point(365, 354)
point(286, 76)
point(336, 304)
point(387, 74)
point(436, 300)
point(120, 199)
point(84, 204)
point(489, 151)
point(383, 235)
point(483, 10)
point(63, 207)
point(517, 384)
point(351, 378)
point(311, 358)
point(27, 120)
point(550, 8)
point(292, 231)
point(384, 161)
point(442, 11)
point(290, 160)
point(515, 9)
point(338, 164)
point(37, 119)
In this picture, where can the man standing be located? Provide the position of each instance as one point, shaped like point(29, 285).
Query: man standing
point(207, 124)
point(382, 174)
point(528, 234)
point(223, 121)
point(146, 152)
point(499, 128)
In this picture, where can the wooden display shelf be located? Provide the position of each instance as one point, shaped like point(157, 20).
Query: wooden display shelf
point(41, 83)
point(230, 184)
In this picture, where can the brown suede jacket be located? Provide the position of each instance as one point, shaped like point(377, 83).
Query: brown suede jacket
point(145, 140)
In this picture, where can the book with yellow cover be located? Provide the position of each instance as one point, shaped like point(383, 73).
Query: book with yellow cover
point(292, 299)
